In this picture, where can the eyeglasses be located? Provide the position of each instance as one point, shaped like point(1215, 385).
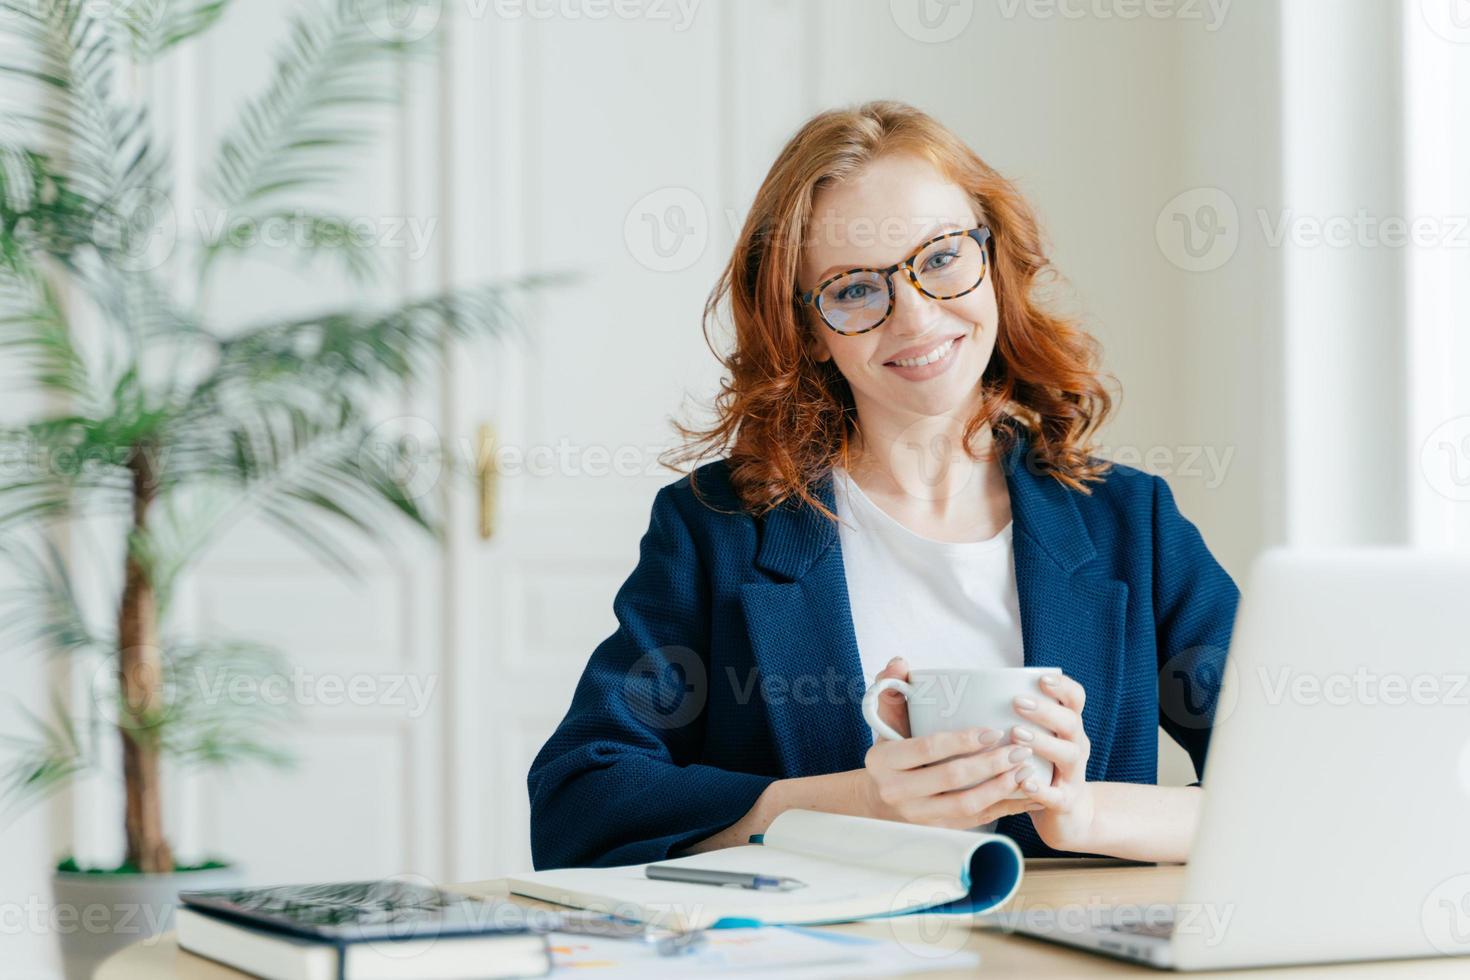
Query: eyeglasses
point(946, 267)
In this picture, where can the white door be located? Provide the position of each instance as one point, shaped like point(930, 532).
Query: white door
point(619, 148)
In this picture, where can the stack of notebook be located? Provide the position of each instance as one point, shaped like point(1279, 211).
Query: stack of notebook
point(371, 930)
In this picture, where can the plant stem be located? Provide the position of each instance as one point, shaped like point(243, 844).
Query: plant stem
point(140, 665)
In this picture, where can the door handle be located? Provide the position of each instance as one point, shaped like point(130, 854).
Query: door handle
point(487, 475)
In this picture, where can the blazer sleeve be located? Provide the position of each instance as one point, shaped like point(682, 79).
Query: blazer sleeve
point(1194, 606)
point(619, 781)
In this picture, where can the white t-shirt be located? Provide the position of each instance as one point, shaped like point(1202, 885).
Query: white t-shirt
point(935, 603)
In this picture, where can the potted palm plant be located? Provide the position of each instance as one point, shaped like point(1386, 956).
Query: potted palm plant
point(162, 427)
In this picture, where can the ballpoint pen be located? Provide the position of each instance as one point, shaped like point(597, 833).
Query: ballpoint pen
point(728, 879)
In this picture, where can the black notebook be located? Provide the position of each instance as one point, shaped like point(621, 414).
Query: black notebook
point(347, 931)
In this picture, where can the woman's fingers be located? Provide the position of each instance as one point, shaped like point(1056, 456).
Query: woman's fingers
point(892, 707)
point(962, 771)
point(1046, 796)
point(912, 753)
point(1050, 715)
point(1066, 754)
point(962, 807)
point(1065, 690)
point(1006, 808)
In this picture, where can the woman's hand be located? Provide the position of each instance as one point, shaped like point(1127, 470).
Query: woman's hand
point(958, 779)
point(1066, 820)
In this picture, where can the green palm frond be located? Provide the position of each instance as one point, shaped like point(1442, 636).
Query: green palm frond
point(224, 703)
point(68, 464)
point(39, 766)
point(370, 347)
point(110, 158)
point(43, 608)
point(291, 459)
point(36, 339)
point(39, 212)
point(310, 237)
point(154, 26)
point(338, 56)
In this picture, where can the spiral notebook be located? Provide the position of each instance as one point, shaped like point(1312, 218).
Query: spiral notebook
point(853, 868)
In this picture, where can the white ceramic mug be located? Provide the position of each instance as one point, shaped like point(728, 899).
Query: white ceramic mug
point(949, 699)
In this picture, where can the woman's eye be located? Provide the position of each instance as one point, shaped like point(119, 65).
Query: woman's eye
point(934, 263)
point(853, 293)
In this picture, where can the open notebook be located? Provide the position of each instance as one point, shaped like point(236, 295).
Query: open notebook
point(853, 867)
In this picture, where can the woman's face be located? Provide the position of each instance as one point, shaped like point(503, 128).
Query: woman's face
point(874, 220)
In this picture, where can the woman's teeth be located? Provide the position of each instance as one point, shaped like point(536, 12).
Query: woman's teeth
point(928, 358)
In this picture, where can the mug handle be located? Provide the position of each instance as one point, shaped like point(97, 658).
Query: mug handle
point(870, 706)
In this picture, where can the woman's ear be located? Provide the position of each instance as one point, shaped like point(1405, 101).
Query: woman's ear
point(816, 340)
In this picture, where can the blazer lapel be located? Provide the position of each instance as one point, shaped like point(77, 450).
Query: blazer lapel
point(1071, 619)
point(801, 634)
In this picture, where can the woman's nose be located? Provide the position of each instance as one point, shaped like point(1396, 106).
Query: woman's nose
point(913, 312)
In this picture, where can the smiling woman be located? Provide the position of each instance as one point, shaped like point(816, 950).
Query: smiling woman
point(907, 472)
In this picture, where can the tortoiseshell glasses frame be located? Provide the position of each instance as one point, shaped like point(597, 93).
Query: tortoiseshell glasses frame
point(980, 235)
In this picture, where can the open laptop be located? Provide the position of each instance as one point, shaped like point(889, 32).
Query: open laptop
point(1336, 819)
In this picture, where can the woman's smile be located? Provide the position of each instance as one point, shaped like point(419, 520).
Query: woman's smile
point(925, 361)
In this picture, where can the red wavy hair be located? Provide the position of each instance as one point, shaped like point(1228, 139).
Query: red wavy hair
point(784, 419)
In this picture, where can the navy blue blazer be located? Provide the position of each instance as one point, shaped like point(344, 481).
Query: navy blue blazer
point(735, 663)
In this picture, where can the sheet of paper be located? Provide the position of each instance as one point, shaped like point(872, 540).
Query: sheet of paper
point(802, 954)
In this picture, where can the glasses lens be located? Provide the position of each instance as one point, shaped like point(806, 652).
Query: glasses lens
point(950, 266)
point(854, 303)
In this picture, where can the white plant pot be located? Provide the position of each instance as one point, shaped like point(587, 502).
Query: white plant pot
point(95, 915)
